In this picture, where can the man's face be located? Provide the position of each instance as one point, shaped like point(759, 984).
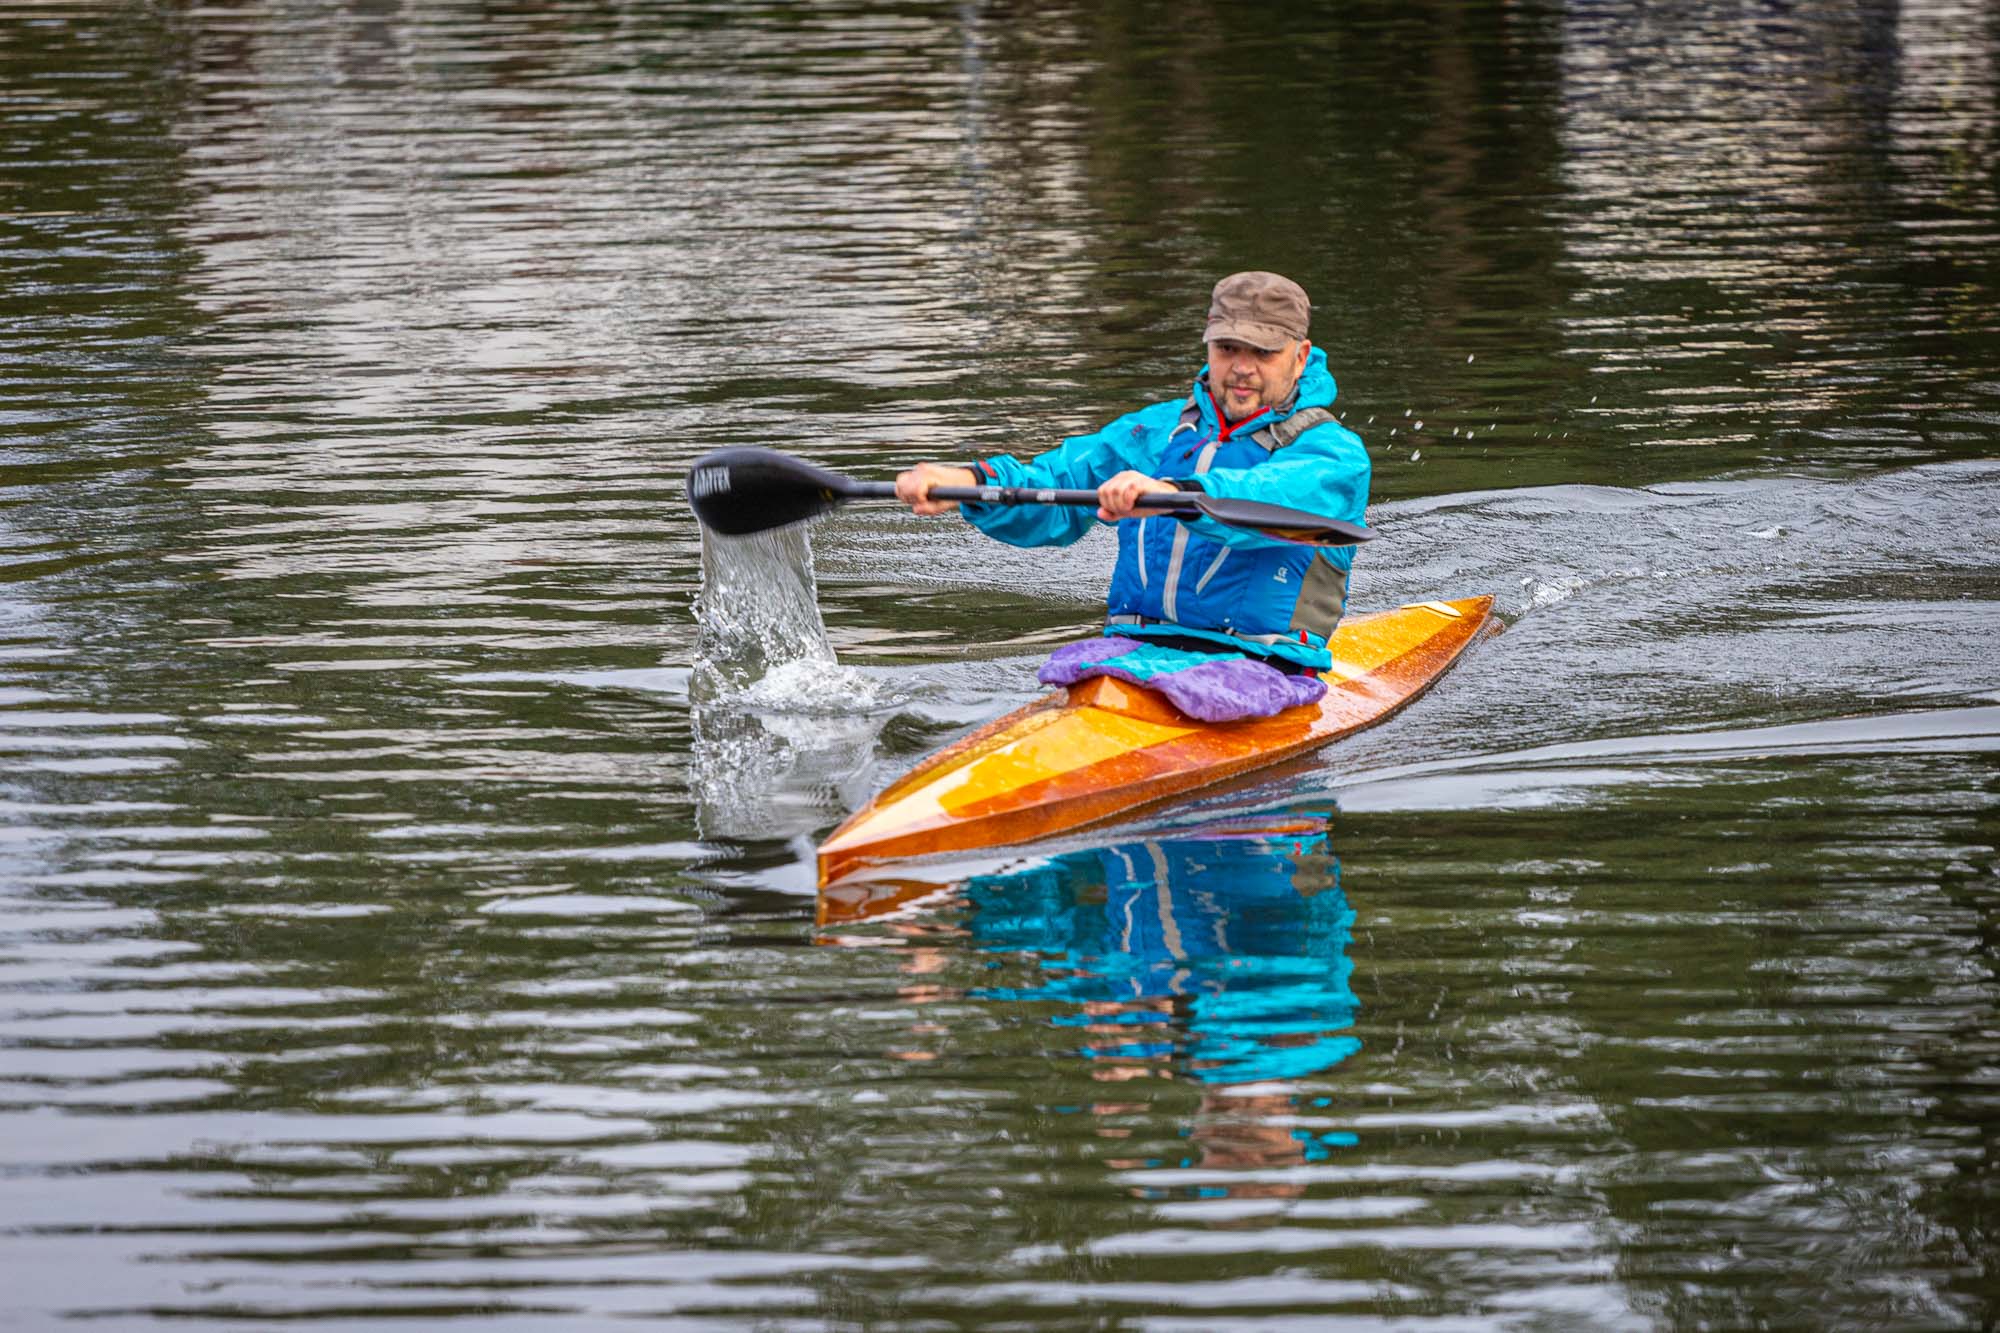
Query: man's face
point(1245, 380)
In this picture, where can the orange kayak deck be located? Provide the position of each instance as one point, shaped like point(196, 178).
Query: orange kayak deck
point(1104, 747)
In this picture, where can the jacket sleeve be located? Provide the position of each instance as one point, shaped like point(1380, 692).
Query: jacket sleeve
point(1081, 462)
point(1324, 471)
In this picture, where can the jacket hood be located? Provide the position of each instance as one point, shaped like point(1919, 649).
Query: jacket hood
point(1316, 386)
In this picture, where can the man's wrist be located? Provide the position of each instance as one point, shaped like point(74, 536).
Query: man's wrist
point(966, 474)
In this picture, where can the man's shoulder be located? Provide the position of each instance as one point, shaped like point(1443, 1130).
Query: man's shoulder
point(1318, 426)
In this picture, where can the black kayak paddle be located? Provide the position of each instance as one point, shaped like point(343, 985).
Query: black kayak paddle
point(740, 491)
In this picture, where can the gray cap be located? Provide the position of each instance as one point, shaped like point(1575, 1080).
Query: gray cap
point(1261, 310)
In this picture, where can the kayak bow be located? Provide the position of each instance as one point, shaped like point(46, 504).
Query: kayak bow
point(1104, 747)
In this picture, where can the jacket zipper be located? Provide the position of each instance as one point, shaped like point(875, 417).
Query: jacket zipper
point(1170, 591)
point(1213, 565)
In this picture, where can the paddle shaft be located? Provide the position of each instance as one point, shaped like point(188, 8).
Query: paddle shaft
point(1024, 495)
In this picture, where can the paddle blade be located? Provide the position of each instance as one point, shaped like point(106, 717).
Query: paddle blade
point(739, 491)
point(1292, 525)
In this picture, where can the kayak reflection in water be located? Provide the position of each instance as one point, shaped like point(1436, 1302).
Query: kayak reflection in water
point(1223, 960)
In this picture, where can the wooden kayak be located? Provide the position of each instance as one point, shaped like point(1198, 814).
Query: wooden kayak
point(1103, 747)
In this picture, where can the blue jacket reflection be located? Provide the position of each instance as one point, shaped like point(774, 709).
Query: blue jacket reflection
point(1245, 940)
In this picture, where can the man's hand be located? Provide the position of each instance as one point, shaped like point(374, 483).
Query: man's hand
point(1115, 497)
point(913, 487)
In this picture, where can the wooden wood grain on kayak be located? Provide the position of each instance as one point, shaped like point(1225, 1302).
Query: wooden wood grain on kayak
point(1104, 748)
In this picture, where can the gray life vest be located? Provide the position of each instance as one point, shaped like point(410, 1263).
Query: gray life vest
point(1323, 594)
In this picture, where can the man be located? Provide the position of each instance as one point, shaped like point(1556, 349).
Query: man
point(1258, 426)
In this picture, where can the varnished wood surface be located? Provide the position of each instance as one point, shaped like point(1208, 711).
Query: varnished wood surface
point(1103, 747)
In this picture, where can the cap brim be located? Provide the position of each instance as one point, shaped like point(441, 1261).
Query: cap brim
point(1263, 337)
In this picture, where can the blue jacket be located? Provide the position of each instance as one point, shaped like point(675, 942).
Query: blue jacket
point(1200, 579)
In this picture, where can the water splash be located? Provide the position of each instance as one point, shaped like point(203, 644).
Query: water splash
point(758, 610)
point(758, 776)
point(784, 735)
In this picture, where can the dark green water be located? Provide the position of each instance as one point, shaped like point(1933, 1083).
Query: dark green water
point(397, 930)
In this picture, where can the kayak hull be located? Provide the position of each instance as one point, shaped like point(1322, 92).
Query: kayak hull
point(1103, 747)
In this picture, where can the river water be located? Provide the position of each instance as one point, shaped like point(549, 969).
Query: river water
point(406, 905)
